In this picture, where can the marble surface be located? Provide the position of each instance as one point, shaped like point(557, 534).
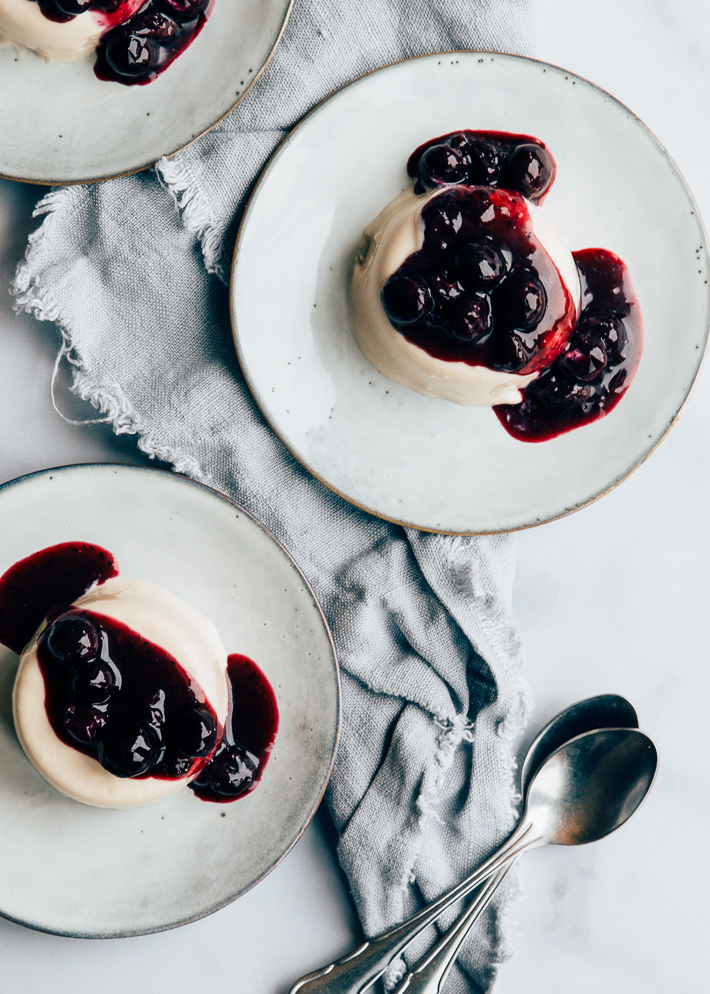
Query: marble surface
point(611, 599)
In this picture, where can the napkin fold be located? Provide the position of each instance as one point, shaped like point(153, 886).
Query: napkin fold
point(134, 274)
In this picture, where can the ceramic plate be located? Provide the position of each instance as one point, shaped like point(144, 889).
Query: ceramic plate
point(82, 871)
point(60, 124)
point(422, 461)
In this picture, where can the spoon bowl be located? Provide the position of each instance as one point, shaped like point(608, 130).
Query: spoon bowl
point(602, 711)
point(590, 786)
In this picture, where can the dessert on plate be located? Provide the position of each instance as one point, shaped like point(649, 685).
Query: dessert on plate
point(464, 289)
point(124, 692)
point(133, 40)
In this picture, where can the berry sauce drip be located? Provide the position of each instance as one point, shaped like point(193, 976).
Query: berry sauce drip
point(484, 158)
point(135, 52)
point(140, 39)
point(482, 289)
point(33, 586)
point(113, 695)
point(249, 735)
point(589, 378)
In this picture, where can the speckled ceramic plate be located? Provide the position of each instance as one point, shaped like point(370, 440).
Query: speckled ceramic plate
point(422, 461)
point(76, 870)
point(60, 124)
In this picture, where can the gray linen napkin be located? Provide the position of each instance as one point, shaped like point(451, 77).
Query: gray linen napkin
point(133, 272)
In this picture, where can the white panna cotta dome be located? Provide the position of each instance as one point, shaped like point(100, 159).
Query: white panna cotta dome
point(462, 286)
point(162, 618)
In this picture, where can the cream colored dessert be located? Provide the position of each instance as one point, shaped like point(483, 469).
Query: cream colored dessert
point(164, 619)
point(391, 238)
point(23, 23)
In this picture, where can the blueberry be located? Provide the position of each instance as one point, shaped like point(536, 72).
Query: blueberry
point(529, 170)
point(509, 353)
point(131, 55)
point(129, 748)
point(92, 683)
point(72, 639)
point(617, 384)
point(184, 10)
point(557, 389)
point(444, 289)
point(136, 50)
point(73, 7)
point(609, 329)
point(520, 302)
point(469, 319)
point(406, 299)
point(479, 265)
point(154, 710)
point(192, 731)
point(442, 222)
point(585, 360)
point(442, 165)
point(232, 771)
point(84, 724)
point(154, 24)
point(175, 767)
point(484, 158)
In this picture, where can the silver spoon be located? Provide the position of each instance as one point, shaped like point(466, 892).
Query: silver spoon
point(586, 790)
point(357, 971)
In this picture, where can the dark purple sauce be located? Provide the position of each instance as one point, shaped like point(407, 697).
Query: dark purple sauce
point(119, 698)
point(490, 158)
point(249, 735)
point(462, 217)
point(33, 586)
point(140, 40)
point(112, 11)
point(482, 289)
point(595, 370)
point(124, 681)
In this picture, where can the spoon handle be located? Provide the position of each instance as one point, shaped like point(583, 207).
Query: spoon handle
point(357, 971)
point(429, 976)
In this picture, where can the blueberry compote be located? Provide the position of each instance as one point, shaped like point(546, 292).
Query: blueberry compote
point(593, 373)
point(484, 158)
point(115, 696)
point(249, 735)
point(482, 289)
point(125, 701)
point(139, 40)
point(66, 10)
point(31, 588)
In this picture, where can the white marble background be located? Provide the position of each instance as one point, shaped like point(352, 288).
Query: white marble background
point(612, 599)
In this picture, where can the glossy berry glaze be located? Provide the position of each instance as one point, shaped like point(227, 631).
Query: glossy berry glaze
point(116, 696)
point(248, 739)
point(594, 372)
point(140, 39)
point(31, 588)
point(111, 12)
point(482, 289)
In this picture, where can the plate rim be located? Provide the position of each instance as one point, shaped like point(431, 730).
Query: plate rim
point(270, 162)
point(148, 164)
point(179, 479)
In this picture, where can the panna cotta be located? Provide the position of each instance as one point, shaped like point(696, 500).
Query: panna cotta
point(124, 692)
point(133, 40)
point(464, 289)
point(397, 317)
point(23, 23)
point(91, 722)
